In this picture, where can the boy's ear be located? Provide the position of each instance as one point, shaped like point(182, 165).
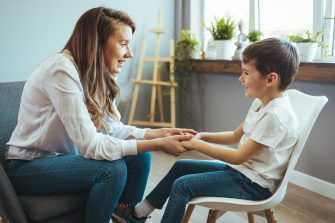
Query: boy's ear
point(273, 79)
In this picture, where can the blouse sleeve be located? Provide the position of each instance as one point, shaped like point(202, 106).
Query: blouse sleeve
point(64, 90)
point(119, 130)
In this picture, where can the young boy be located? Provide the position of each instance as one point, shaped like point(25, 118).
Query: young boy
point(265, 140)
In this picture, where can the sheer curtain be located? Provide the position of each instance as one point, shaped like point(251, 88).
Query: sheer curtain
point(189, 15)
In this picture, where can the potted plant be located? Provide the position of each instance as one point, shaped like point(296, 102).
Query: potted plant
point(254, 35)
point(223, 31)
point(307, 44)
point(186, 48)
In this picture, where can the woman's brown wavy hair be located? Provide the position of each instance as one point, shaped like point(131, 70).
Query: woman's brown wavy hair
point(86, 45)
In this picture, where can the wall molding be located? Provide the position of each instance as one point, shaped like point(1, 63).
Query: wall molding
point(313, 184)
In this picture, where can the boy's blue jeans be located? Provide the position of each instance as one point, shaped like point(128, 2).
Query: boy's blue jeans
point(188, 179)
point(106, 182)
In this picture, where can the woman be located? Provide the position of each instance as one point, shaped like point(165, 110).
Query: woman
point(69, 137)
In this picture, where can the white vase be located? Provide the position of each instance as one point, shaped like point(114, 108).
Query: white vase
point(224, 49)
point(307, 51)
point(210, 52)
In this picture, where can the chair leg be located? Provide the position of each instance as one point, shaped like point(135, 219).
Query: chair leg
point(251, 218)
point(269, 216)
point(187, 214)
point(212, 214)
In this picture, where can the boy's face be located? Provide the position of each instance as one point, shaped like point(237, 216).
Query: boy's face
point(254, 83)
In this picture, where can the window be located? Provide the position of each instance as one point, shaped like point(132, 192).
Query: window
point(278, 18)
point(239, 10)
point(328, 25)
point(223, 8)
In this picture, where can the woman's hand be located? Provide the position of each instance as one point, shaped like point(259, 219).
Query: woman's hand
point(165, 132)
point(173, 144)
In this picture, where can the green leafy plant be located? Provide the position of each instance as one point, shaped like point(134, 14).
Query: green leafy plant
point(254, 35)
point(185, 49)
point(222, 28)
point(186, 46)
point(308, 38)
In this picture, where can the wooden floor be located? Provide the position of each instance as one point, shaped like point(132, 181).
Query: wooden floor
point(299, 205)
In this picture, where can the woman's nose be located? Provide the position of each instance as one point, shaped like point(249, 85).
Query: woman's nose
point(129, 54)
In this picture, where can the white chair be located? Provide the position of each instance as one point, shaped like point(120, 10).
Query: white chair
point(307, 108)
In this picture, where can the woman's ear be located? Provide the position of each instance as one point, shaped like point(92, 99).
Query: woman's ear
point(272, 79)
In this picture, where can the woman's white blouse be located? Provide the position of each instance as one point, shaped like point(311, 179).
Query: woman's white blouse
point(53, 119)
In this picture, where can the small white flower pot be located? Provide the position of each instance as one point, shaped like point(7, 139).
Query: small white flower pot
point(307, 51)
point(224, 49)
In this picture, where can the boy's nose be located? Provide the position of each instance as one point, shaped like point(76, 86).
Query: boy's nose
point(241, 78)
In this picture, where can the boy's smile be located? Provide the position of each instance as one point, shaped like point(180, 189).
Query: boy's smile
point(253, 81)
point(256, 85)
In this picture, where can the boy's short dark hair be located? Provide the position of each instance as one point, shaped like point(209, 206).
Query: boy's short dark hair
point(274, 55)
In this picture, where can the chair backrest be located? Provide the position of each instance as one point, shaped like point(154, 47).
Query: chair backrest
point(308, 108)
point(10, 97)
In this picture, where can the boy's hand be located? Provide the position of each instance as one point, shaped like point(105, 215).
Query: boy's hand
point(165, 132)
point(197, 136)
point(192, 144)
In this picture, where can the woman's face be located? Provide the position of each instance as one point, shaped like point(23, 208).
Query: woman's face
point(117, 49)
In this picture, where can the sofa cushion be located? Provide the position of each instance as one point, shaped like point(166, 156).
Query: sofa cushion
point(39, 208)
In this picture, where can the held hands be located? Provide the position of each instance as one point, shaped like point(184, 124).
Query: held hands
point(173, 144)
point(169, 139)
point(165, 132)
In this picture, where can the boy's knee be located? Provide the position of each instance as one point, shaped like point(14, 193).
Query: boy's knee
point(180, 164)
point(180, 186)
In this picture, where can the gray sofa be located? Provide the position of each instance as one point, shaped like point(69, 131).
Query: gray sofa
point(16, 208)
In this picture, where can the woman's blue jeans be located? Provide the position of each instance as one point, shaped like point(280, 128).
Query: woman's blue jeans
point(106, 182)
point(188, 179)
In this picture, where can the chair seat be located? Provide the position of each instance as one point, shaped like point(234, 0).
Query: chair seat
point(39, 208)
point(233, 204)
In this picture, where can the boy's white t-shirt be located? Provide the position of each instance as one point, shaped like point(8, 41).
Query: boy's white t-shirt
point(276, 127)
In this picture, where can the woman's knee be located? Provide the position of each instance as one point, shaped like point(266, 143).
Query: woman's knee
point(145, 159)
point(140, 162)
point(114, 172)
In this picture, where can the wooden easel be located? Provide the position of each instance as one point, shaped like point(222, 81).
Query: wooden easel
point(156, 84)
